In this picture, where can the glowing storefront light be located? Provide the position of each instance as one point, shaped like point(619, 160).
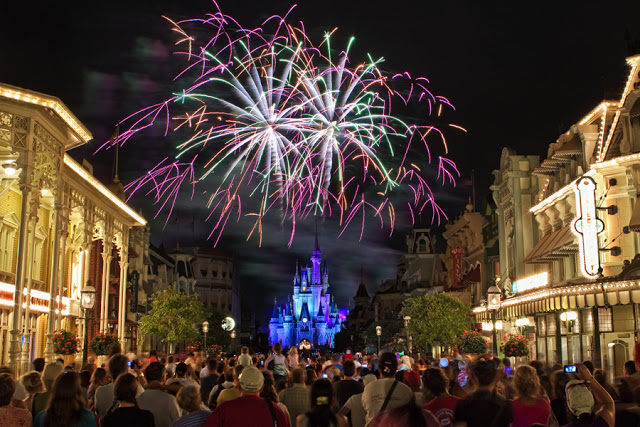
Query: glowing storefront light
point(531, 282)
point(587, 226)
point(39, 300)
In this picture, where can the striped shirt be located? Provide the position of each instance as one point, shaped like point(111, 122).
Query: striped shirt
point(194, 419)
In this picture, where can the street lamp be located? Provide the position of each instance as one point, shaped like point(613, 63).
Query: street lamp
point(569, 317)
point(378, 333)
point(233, 335)
point(407, 319)
point(493, 305)
point(205, 329)
point(88, 295)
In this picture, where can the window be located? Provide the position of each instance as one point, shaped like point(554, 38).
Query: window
point(215, 273)
point(203, 273)
point(587, 321)
point(605, 319)
point(542, 326)
point(8, 227)
point(422, 245)
point(551, 324)
point(224, 274)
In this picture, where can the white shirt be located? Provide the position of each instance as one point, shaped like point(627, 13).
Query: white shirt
point(183, 382)
point(354, 403)
point(163, 406)
point(204, 372)
point(245, 360)
point(375, 394)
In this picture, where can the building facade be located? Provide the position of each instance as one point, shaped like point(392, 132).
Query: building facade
point(59, 229)
point(311, 314)
point(574, 289)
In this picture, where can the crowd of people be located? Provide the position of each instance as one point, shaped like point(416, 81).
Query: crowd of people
point(285, 389)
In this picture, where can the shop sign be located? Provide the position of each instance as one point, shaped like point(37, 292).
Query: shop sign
point(456, 253)
point(587, 226)
point(531, 282)
point(39, 300)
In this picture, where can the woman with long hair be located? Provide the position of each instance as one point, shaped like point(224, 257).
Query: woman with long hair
point(127, 413)
point(66, 407)
point(32, 382)
point(98, 379)
point(321, 414)
point(269, 394)
point(279, 369)
point(531, 404)
point(293, 359)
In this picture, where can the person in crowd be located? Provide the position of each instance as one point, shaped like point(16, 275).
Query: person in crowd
point(249, 409)
point(170, 367)
point(559, 380)
point(320, 414)
point(529, 406)
point(279, 363)
point(540, 368)
point(98, 379)
point(244, 359)
point(38, 364)
point(183, 376)
point(580, 402)
point(85, 382)
point(293, 359)
point(231, 392)
point(225, 381)
point(208, 382)
point(163, 405)
point(153, 356)
point(411, 378)
point(125, 410)
point(601, 376)
point(9, 414)
point(104, 396)
point(20, 394)
point(296, 398)
point(408, 415)
point(269, 394)
point(483, 407)
point(40, 400)
point(443, 404)
point(66, 407)
point(631, 375)
point(32, 382)
point(353, 408)
point(347, 386)
point(190, 360)
point(195, 413)
point(386, 393)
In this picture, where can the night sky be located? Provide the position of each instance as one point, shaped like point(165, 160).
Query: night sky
point(519, 74)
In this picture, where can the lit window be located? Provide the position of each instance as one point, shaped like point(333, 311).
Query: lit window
point(605, 319)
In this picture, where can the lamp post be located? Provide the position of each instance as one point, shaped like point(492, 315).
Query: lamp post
point(205, 329)
point(493, 305)
point(407, 319)
point(88, 295)
point(378, 333)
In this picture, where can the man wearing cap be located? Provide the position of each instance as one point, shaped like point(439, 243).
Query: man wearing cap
point(249, 409)
point(386, 393)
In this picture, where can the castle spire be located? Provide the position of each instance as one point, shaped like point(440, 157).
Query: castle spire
point(316, 246)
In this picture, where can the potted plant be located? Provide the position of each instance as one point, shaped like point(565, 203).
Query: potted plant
point(65, 343)
point(471, 342)
point(515, 346)
point(101, 344)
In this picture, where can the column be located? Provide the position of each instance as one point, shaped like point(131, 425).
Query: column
point(122, 298)
point(15, 348)
point(53, 289)
point(63, 252)
point(596, 355)
point(558, 358)
point(104, 301)
point(26, 345)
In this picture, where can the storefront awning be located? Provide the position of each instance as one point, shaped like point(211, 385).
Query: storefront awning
point(553, 246)
point(634, 223)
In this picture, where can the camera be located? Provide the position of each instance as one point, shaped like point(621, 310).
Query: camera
point(325, 376)
point(129, 363)
point(570, 369)
point(508, 370)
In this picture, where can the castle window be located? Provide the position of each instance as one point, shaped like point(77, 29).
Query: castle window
point(422, 245)
point(215, 273)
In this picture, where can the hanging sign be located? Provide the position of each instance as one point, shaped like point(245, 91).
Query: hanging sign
point(587, 226)
point(456, 254)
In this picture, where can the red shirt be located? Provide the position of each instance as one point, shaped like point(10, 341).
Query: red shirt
point(443, 409)
point(245, 411)
point(524, 416)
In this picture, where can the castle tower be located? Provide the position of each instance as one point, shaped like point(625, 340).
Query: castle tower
point(274, 323)
point(316, 260)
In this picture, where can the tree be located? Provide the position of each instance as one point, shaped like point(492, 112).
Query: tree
point(216, 334)
point(173, 315)
point(437, 318)
point(389, 329)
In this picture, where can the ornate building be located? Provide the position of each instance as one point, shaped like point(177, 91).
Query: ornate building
point(59, 229)
point(311, 314)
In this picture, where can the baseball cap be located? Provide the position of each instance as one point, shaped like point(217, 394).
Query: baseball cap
point(388, 363)
point(412, 378)
point(251, 379)
point(369, 378)
point(579, 398)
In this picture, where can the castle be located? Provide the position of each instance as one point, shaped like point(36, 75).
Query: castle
point(311, 314)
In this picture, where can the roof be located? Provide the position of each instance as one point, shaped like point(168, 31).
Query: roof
point(553, 246)
point(362, 291)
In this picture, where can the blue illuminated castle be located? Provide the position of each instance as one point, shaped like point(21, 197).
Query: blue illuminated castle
point(311, 314)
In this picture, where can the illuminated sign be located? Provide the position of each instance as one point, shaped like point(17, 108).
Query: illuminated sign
point(587, 226)
point(39, 300)
point(531, 282)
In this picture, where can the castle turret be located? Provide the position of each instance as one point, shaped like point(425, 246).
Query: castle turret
point(315, 262)
point(274, 323)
